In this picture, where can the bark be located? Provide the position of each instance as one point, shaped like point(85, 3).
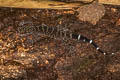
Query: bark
point(50, 4)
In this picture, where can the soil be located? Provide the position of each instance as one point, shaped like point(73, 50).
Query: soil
point(39, 57)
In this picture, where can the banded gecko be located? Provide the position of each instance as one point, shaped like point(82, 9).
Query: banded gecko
point(57, 32)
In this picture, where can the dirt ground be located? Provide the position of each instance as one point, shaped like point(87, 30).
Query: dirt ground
point(39, 57)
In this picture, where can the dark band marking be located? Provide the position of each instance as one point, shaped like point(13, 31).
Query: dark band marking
point(75, 36)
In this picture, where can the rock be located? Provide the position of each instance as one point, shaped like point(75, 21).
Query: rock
point(91, 13)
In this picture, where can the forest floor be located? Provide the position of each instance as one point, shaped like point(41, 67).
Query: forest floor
point(39, 57)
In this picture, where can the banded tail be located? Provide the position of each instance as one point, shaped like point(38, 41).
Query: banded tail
point(59, 33)
point(80, 37)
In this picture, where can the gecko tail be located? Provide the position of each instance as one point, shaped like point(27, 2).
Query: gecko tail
point(85, 39)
